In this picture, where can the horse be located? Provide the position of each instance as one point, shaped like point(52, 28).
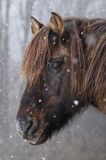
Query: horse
point(64, 67)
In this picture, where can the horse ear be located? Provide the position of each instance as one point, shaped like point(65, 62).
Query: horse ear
point(57, 23)
point(35, 25)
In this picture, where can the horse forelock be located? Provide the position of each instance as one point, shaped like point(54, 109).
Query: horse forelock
point(36, 55)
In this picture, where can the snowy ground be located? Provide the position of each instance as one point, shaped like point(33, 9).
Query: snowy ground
point(85, 138)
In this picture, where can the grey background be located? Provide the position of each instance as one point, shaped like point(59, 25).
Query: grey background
point(82, 139)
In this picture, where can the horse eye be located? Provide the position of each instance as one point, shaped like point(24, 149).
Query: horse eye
point(55, 65)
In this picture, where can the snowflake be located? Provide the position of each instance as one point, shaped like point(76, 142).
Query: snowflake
point(76, 102)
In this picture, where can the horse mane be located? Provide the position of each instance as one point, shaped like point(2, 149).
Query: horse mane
point(95, 70)
point(88, 45)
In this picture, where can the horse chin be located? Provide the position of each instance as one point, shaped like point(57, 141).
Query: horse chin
point(38, 138)
point(36, 141)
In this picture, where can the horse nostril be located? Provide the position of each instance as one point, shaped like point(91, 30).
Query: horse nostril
point(33, 127)
point(27, 126)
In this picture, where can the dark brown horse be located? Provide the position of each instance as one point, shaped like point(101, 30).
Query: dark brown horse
point(65, 70)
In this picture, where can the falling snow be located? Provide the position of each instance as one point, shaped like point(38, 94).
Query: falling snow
point(46, 89)
point(68, 70)
point(81, 33)
point(54, 116)
point(43, 158)
point(88, 133)
point(30, 113)
point(44, 37)
point(76, 102)
point(39, 100)
point(12, 156)
point(10, 136)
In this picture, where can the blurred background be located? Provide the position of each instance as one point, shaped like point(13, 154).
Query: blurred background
point(85, 138)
